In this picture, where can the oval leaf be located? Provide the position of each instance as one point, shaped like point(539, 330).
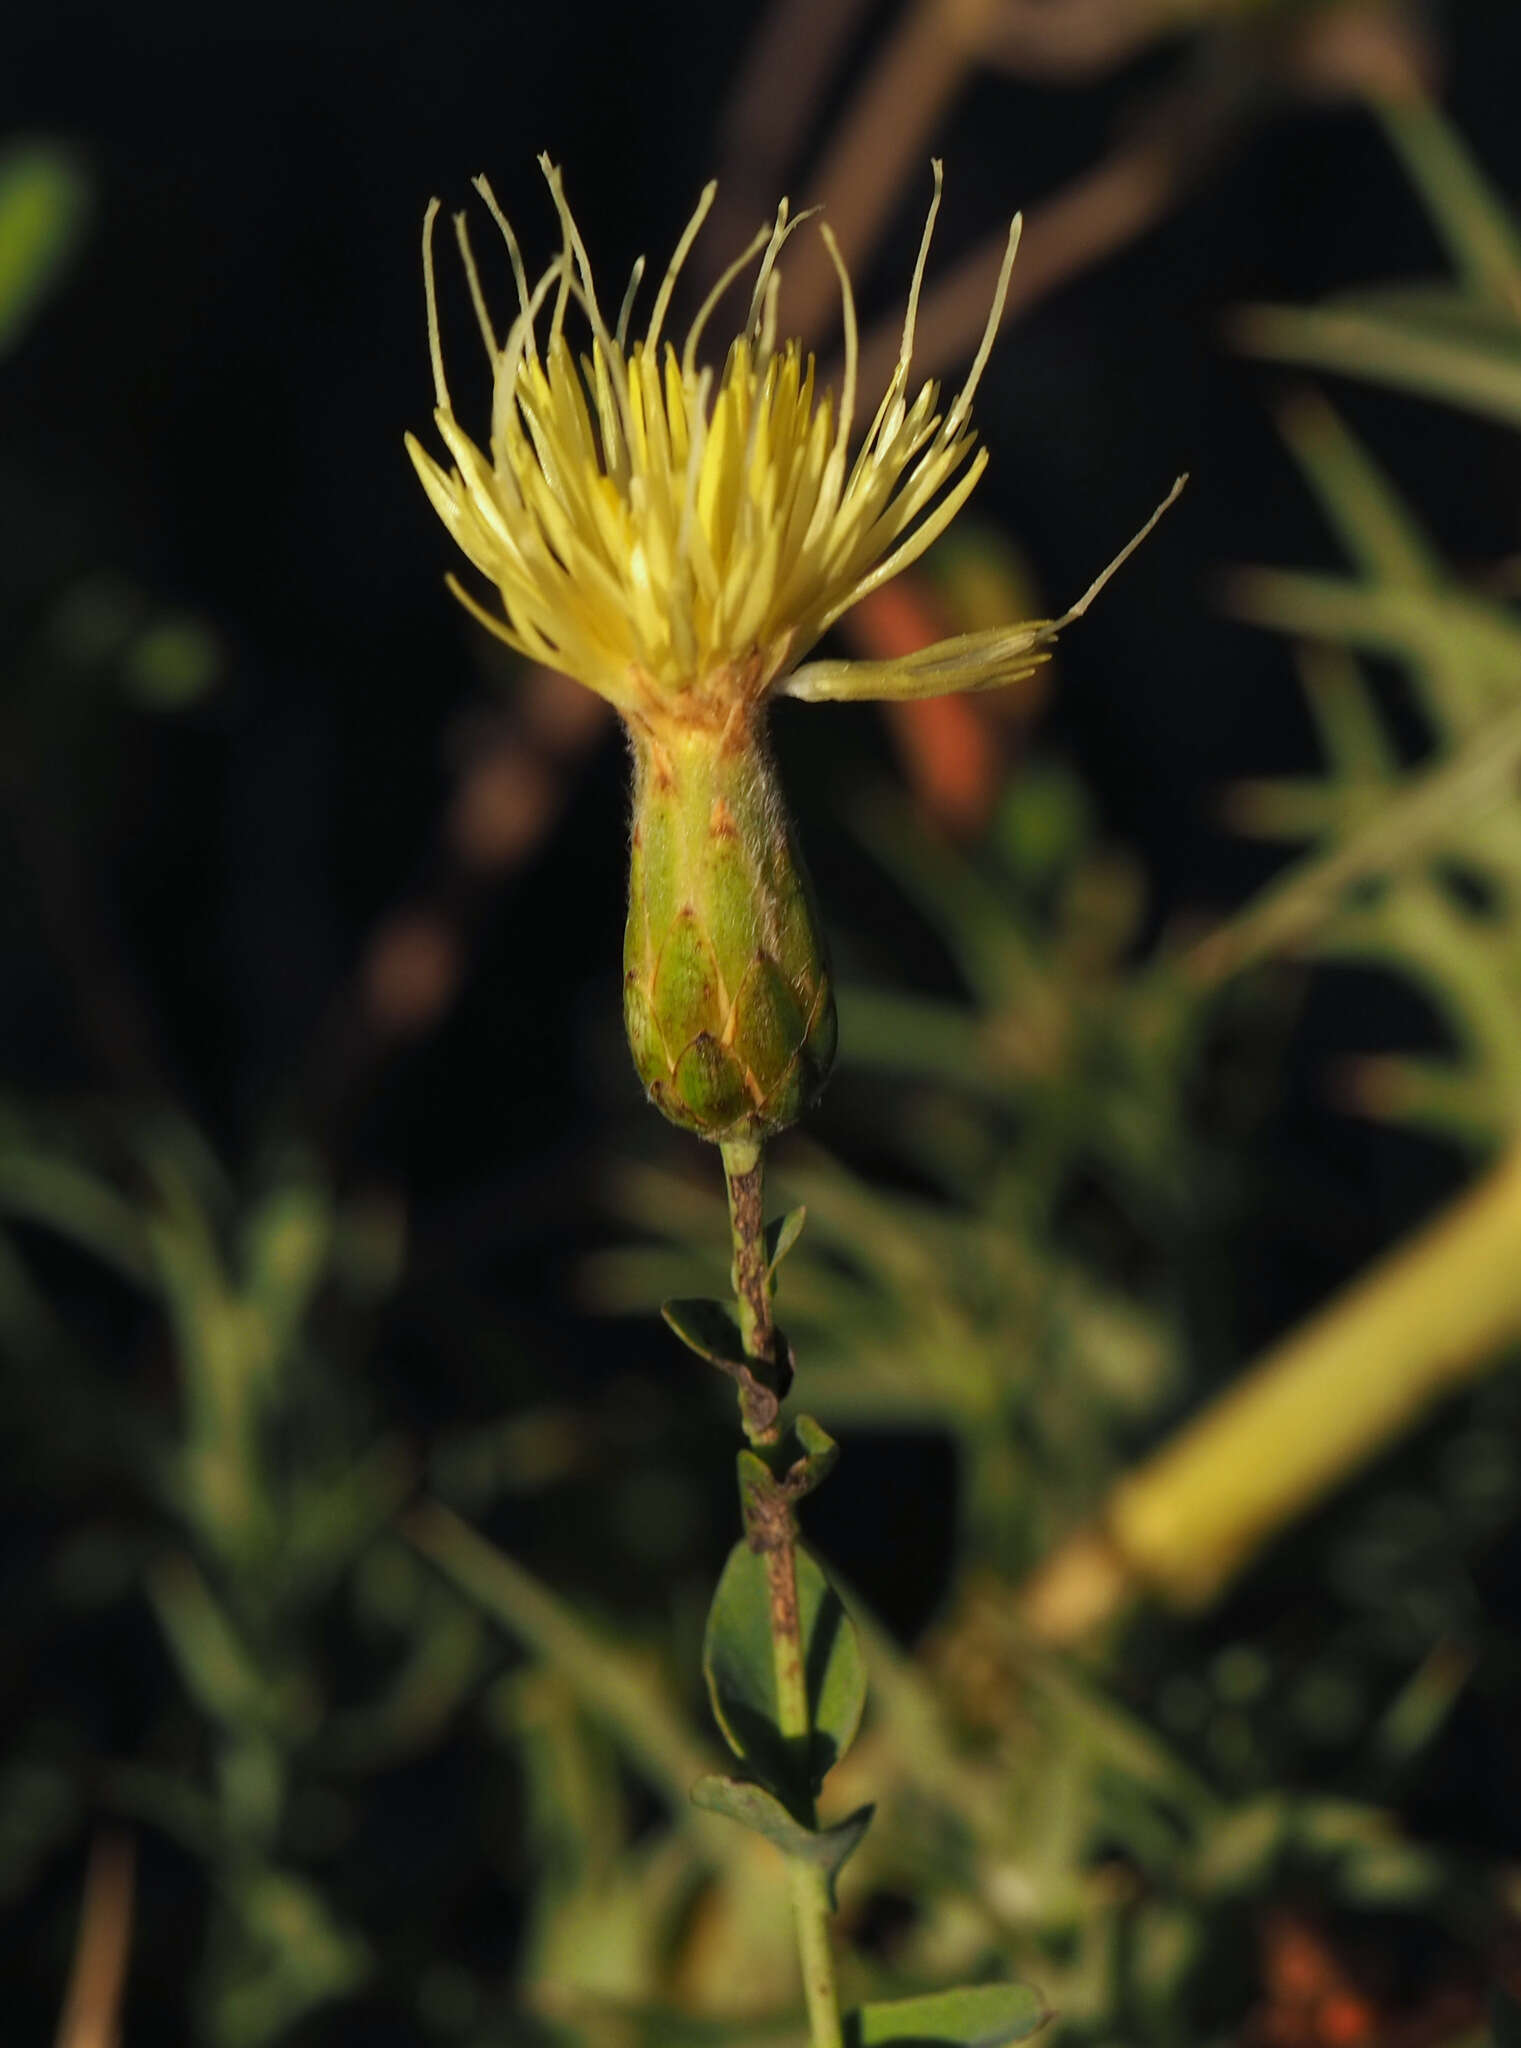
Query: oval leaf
point(737, 1662)
point(977, 2016)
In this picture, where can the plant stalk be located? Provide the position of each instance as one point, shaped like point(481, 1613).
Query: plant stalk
point(744, 1175)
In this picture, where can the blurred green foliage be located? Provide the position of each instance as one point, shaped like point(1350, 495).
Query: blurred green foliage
point(43, 205)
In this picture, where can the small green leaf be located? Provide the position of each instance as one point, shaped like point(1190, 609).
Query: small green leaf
point(816, 1455)
point(978, 2016)
point(788, 1471)
point(707, 1328)
point(737, 1662)
point(754, 1807)
point(782, 1233)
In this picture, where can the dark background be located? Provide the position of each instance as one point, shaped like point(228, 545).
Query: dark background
point(212, 407)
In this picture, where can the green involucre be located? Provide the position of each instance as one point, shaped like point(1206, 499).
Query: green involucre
point(727, 996)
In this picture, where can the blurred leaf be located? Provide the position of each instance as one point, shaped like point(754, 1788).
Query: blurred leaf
point(43, 202)
point(172, 665)
point(45, 1188)
point(1464, 785)
point(1436, 342)
point(286, 1244)
point(616, 1688)
point(218, 1667)
point(39, 1810)
point(1405, 624)
point(1472, 220)
point(1371, 519)
point(293, 1958)
point(1505, 2019)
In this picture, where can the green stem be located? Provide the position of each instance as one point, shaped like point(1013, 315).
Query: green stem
point(810, 1908)
point(743, 1172)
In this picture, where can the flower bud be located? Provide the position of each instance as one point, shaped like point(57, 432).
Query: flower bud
point(726, 989)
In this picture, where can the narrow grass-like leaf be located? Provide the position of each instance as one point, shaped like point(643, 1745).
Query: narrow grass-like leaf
point(1472, 220)
point(1371, 518)
point(1439, 345)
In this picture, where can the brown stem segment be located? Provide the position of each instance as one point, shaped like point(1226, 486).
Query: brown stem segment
point(744, 1170)
point(771, 1529)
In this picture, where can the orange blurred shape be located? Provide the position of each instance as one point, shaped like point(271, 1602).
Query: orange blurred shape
point(503, 806)
point(563, 716)
point(411, 972)
point(949, 750)
point(92, 2003)
point(1344, 2018)
point(951, 758)
point(1311, 2000)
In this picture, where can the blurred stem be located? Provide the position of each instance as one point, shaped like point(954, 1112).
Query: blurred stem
point(1431, 1315)
point(92, 2003)
point(775, 1535)
point(810, 1906)
point(616, 1689)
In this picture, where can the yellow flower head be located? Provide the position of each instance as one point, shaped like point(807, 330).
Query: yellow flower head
point(652, 526)
point(654, 529)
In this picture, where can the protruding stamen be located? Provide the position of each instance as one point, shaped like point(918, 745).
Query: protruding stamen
point(705, 311)
point(955, 418)
point(514, 253)
point(673, 268)
point(575, 245)
point(848, 318)
point(916, 285)
point(430, 293)
point(625, 311)
point(781, 234)
point(567, 254)
point(473, 279)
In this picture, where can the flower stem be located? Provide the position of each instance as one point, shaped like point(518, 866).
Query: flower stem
point(744, 1171)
